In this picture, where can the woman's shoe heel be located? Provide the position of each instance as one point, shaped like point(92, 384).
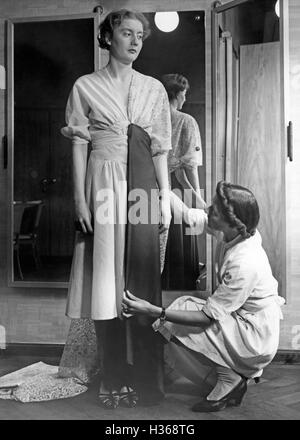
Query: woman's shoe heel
point(235, 399)
point(109, 400)
point(128, 398)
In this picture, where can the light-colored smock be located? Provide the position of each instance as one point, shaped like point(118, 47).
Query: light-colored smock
point(245, 309)
point(186, 142)
point(95, 113)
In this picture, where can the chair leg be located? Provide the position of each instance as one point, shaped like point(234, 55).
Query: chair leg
point(19, 263)
point(36, 256)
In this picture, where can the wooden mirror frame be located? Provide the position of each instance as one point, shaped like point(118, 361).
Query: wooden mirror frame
point(100, 60)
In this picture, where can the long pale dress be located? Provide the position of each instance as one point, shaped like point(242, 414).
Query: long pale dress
point(245, 309)
point(181, 265)
point(96, 114)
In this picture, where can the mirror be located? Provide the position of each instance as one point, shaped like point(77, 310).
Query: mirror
point(182, 51)
point(249, 127)
point(47, 57)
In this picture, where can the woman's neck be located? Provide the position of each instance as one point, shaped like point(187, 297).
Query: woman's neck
point(230, 235)
point(119, 70)
point(173, 105)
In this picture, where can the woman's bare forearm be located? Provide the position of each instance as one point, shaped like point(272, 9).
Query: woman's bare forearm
point(179, 209)
point(161, 169)
point(79, 152)
point(193, 177)
point(195, 319)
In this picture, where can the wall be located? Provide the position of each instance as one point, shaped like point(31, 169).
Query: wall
point(37, 315)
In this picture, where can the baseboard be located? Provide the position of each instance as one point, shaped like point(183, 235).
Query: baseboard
point(287, 356)
point(39, 350)
point(56, 350)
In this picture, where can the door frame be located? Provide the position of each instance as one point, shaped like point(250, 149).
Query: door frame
point(100, 60)
point(218, 8)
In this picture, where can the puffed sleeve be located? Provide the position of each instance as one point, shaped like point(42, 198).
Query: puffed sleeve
point(190, 151)
point(77, 120)
point(238, 281)
point(161, 123)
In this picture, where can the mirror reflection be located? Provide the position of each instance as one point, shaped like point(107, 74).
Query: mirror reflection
point(48, 57)
point(179, 62)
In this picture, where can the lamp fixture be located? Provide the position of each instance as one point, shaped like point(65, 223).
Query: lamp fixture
point(166, 21)
point(277, 8)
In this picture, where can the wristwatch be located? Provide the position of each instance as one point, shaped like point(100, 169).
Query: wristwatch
point(162, 316)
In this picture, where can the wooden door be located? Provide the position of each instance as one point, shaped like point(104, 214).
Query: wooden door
point(260, 164)
point(61, 192)
point(41, 152)
point(31, 164)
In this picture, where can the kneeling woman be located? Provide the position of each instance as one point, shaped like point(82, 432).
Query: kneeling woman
point(237, 329)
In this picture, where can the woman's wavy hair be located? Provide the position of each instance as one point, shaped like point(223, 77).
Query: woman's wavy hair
point(174, 83)
point(114, 19)
point(239, 207)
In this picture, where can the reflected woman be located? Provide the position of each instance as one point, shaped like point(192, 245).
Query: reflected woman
point(181, 265)
point(125, 116)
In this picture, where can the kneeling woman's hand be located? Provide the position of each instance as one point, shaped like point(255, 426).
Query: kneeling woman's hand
point(131, 305)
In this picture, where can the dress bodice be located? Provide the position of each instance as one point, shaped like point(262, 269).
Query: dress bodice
point(186, 141)
point(95, 111)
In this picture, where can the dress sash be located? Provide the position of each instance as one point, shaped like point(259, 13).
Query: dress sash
point(142, 269)
point(142, 252)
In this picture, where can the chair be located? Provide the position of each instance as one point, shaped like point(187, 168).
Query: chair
point(28, 232)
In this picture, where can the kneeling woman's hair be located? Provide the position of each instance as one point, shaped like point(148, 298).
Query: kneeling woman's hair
point(114, 19)
point(239, 207)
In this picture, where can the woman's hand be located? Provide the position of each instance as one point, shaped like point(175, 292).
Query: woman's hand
point(132, 305)
point(84, 216)
point(200, 203)
point(165, 212)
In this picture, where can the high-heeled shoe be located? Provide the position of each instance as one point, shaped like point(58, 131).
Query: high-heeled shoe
point(129, 397)
point(109, 400)
point(233, 398)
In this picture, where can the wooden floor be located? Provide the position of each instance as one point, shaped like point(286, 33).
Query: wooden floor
point(277, 397)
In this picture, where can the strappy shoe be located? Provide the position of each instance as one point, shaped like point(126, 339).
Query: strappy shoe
point(233, 398)
point(128, 398)
point(109, 400)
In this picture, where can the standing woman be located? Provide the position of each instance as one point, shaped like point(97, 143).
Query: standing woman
point(125, 116)
point(182, 256)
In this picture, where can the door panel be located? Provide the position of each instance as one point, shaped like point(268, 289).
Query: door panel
point(260, 166)
point(31, 164)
